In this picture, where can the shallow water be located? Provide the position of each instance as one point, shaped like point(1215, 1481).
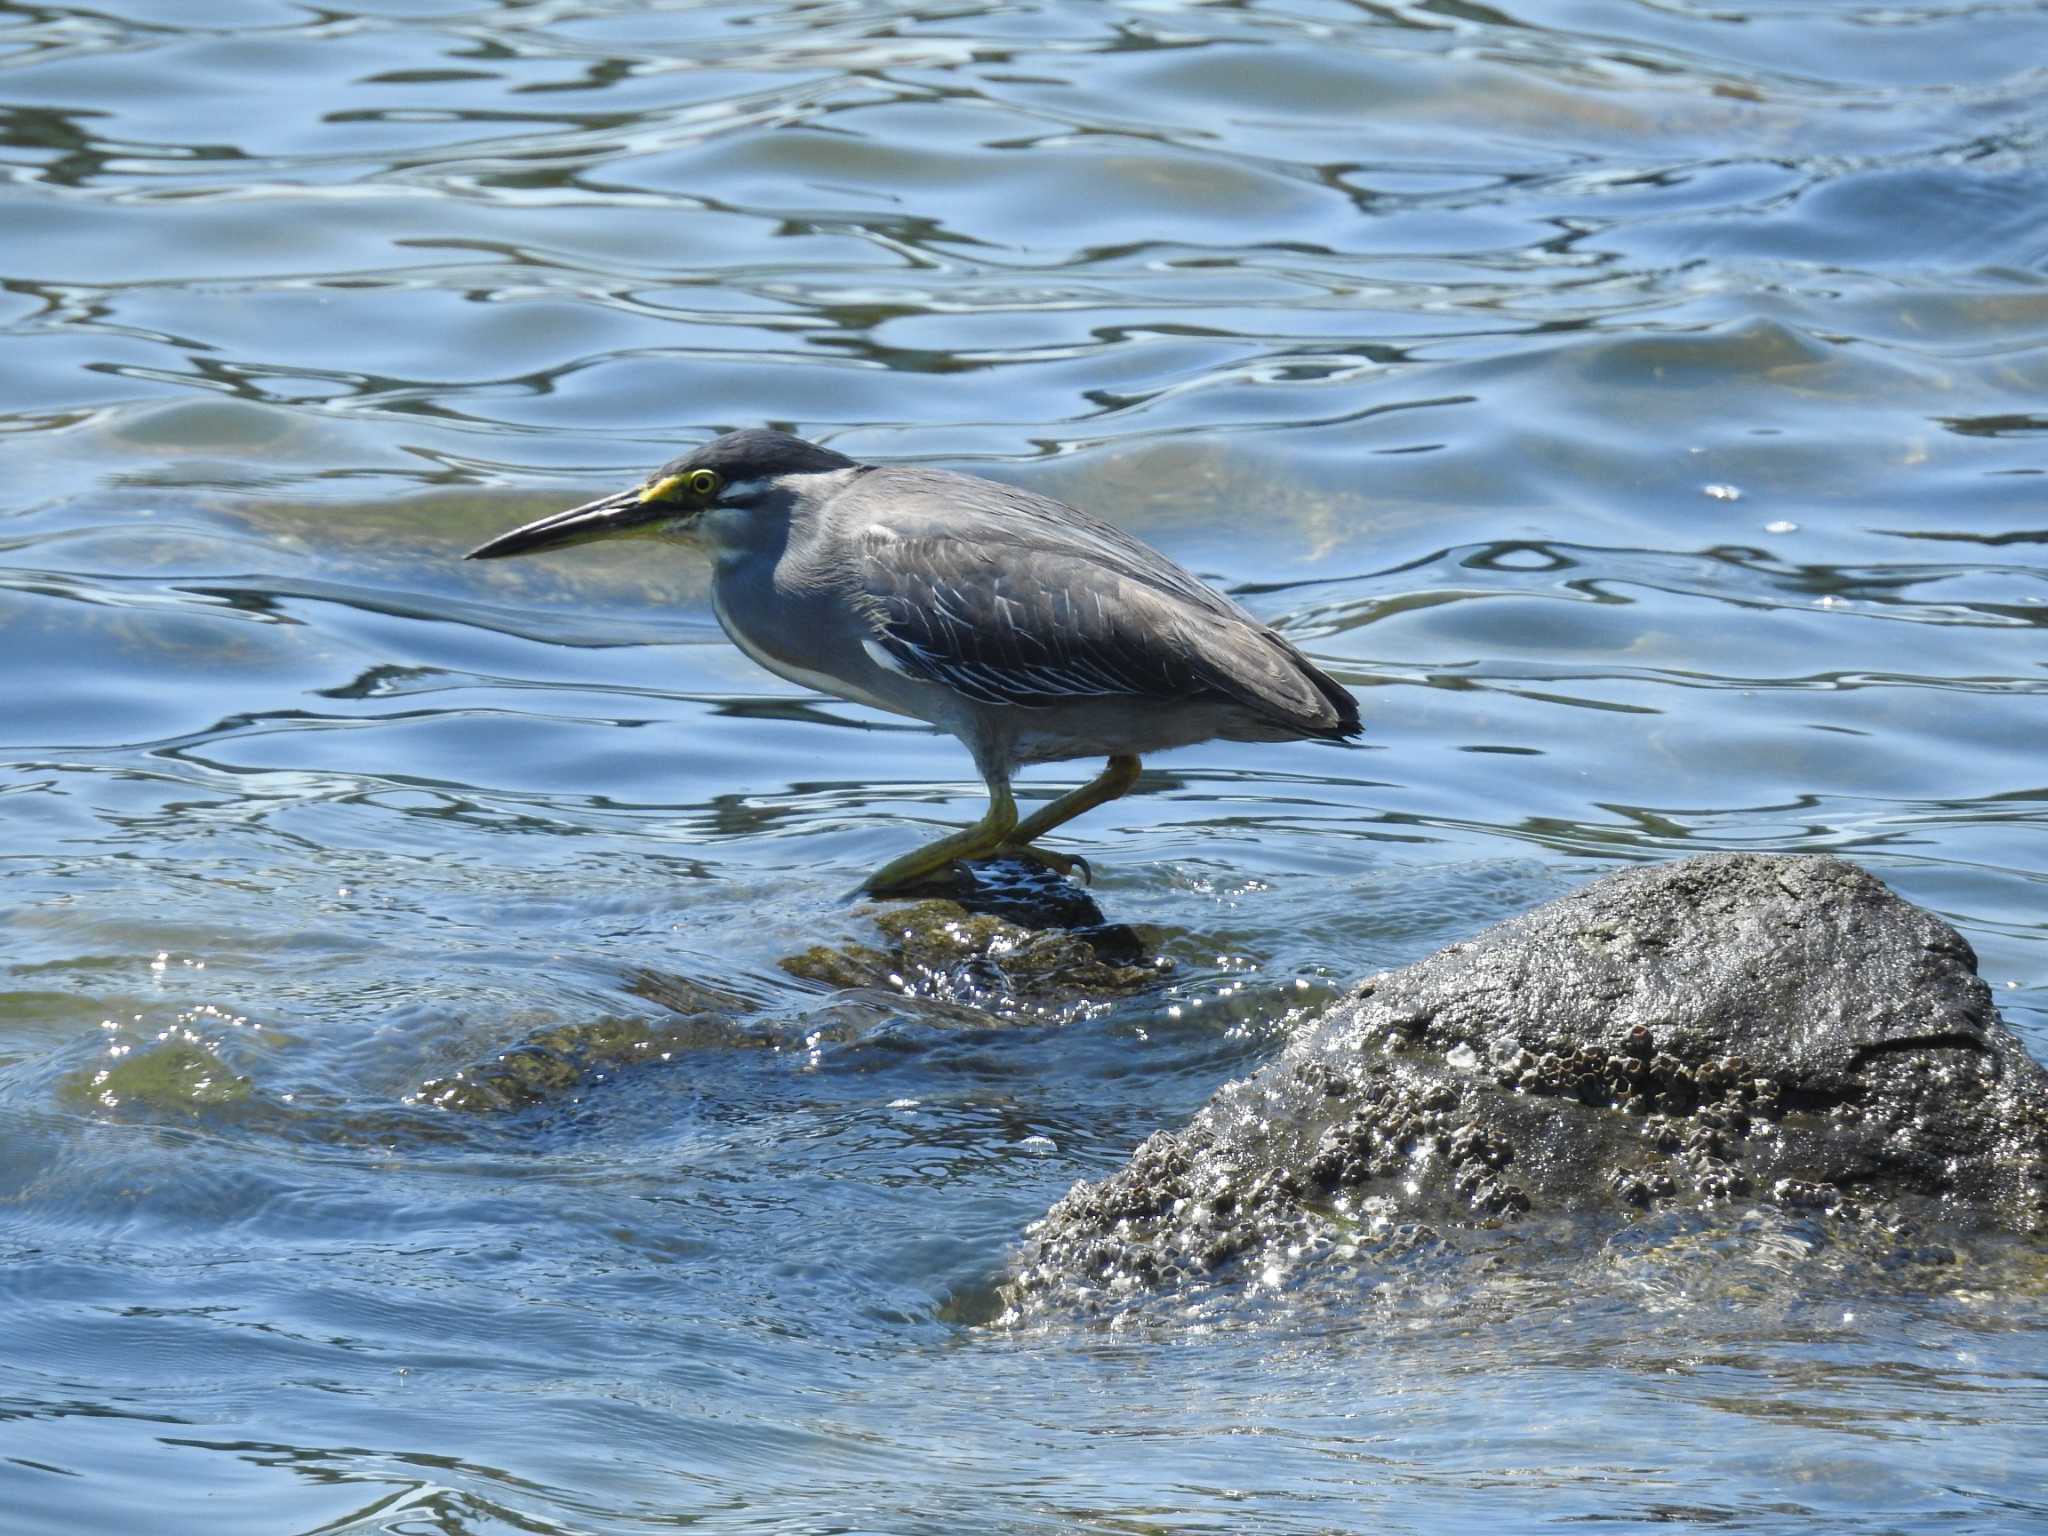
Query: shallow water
point(1640, 405)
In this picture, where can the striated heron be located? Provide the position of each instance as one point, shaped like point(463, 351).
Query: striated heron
point(1025, 627)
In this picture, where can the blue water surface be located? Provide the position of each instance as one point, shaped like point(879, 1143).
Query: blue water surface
point(1638, 404)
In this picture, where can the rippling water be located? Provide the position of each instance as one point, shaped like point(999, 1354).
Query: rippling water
point(1639, 404)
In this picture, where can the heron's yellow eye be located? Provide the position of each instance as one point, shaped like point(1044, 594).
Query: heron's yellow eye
point(703, 482)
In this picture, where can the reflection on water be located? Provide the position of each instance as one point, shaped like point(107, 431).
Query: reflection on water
point(1639, 406)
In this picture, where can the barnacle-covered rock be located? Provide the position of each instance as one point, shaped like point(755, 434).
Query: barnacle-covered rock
point(1730, 1028)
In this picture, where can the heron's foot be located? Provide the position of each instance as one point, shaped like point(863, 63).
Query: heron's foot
point(1066, 864)
point(932, 864)
point(1000, 834)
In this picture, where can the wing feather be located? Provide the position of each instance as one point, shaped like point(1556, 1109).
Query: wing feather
point(1010, 599)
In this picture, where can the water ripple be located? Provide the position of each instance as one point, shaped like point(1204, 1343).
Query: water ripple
point(1638, 405)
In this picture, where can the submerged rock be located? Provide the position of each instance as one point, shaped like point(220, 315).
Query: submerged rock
point(180, 1077)
point(943, 963)
point(1714, 1035)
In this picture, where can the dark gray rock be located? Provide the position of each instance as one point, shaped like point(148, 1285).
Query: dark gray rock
point(1715, 1035)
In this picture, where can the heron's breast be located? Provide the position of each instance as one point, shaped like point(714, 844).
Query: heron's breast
point(807, 644)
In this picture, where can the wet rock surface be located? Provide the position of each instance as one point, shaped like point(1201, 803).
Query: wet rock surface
point(1690, 1043)
point(945, 951)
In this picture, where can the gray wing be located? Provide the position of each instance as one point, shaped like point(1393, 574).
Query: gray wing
point(1012, 599)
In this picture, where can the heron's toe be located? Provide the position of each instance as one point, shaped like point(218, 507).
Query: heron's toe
point(1067, 864)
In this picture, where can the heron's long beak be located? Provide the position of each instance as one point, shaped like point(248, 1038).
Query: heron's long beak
point(605, 518)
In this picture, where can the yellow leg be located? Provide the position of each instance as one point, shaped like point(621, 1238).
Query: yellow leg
point(975, 842)
point(1114, 781)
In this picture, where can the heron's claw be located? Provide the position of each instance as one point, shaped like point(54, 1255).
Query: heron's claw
point(1066, 864)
